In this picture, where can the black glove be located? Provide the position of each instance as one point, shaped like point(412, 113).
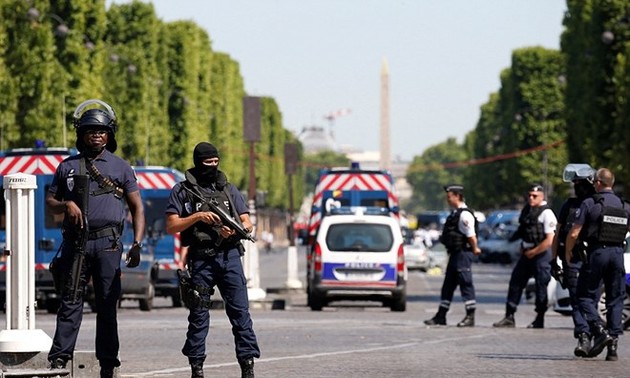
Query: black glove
point(133, 256)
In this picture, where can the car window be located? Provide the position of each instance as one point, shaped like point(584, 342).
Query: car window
point(363, 237)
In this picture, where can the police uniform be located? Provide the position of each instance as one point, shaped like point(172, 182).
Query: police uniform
point(534, 224)
point(567, 216)
point(106, 214)
point(212, 265)
point(604, 263)
point(458, 228)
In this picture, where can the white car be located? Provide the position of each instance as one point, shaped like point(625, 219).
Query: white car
point(358, 257)
point(416, 252)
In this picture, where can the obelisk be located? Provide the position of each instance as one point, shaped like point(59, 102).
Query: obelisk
point(385, 154)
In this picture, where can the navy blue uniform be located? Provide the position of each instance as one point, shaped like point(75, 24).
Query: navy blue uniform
point(102, 260)
point(459, 267)
point(568, 214)
point(223, 269)
point(537, 267)
point(605, 263)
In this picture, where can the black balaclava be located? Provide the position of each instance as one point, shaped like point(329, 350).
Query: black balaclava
point(583, 189)
point(205, 173)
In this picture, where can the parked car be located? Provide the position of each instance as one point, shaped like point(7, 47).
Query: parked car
point(416, 252)
point(497, 219)
point(497, 247)
point(358, 257)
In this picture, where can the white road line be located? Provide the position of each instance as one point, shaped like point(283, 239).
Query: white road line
point(167, 372)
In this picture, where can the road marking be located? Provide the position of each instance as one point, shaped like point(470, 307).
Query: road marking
point(166, 372)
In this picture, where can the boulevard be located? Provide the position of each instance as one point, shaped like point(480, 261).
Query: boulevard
point(358, 339)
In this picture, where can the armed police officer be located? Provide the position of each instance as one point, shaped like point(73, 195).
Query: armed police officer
point(213, 257)
point(582, 176)
point(460, 239)
point(537, 226)
point(602, 224)
point(90, 189)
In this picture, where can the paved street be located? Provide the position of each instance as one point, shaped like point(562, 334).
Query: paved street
point(350, 339)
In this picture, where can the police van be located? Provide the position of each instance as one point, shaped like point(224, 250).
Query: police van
point(137, 283)
point(155, 183)
point(358, 254)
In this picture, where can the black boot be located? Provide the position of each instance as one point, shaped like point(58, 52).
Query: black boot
point(58, 363)
point(247, 368)
point(507, 322)
point(196, 368)
point(584, 345)
point(107, 372)
point(539, 322)
point(469, 319)
point(439, 318)
point(601, 339)
point(612, 350)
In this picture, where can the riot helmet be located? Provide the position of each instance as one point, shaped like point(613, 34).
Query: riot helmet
point(578, 171)
point(95, 118)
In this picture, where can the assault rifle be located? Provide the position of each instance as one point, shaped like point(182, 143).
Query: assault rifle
point(82, 186)
point(226, 219)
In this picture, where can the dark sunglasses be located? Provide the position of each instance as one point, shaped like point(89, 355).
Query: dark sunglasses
point(533, 195)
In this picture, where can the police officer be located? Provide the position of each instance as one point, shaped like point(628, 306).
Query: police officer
point(537, 226)
point(582, 176)
point(213, 257)
point(111, 182)
point(602, 223)
point(460, 239)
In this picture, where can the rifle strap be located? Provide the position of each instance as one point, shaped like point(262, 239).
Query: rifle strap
point(232, 208)
point(106, 185)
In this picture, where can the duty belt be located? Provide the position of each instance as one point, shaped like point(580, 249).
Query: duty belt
point(103, 232)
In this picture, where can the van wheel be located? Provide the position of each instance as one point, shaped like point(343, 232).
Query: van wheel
point(146, 303)
point(399, 302)
point(177, 299)
point(315, 302)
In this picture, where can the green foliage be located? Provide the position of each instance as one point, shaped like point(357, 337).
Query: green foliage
point(170, 90)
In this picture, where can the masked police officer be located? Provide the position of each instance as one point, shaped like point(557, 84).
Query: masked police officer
point(537, 226)
point(602, 223)
point(213, 257)
point(460, 239)
point(582, 176)
point(111, 181)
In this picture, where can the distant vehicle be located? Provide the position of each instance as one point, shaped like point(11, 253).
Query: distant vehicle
point(416, 252)
point(429, 219)
point(497, 247)
point(357, 256)
point(498, 218)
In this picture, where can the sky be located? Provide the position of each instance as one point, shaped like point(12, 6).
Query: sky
point(318, 56)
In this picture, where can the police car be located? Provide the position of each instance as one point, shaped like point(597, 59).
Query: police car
point(358, 254)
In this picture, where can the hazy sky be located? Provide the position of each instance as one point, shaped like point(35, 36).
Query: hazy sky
point(314, 57)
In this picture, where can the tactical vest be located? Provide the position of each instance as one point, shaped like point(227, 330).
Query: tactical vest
point(612, 225)
point(567, 219)
point(533, 230)
point(452, 238)
point(203, 235)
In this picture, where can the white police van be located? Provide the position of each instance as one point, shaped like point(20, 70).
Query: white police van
point(358, 254)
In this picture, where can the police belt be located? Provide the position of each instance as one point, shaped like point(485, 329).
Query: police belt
point(104, 232)
point(596, 245)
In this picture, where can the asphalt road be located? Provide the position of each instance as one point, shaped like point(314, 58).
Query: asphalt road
point(359, 339)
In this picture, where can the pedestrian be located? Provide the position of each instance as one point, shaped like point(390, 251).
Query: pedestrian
point(582, 176)
point(459, 236)
point(214, 256)
point(111, 183)
point(537, 226)
point(602, 223)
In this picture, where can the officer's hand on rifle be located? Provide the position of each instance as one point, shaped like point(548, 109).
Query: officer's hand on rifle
point(209, 217)
point(133, 256)
point(226, 232)
point(74, 214)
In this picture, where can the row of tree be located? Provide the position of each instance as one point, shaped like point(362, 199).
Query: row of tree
point(169, 88)
point(553, 107)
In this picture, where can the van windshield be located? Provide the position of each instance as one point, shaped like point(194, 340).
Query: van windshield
point(155, 213)
point(359, 237)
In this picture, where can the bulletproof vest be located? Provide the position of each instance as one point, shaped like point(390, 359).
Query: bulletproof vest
point(452, 238)
point(612, 224)
point(202, 234)
point(567, 219)
point(533, 231)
